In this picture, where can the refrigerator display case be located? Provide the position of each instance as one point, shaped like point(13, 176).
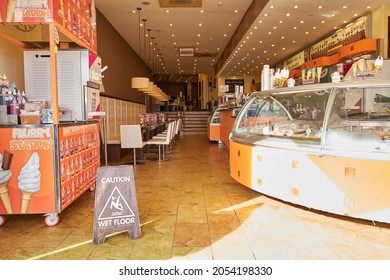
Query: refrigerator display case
point(213, 126)
point(322, 146)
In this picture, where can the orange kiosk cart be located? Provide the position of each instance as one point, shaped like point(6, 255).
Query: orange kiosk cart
point(45, 167)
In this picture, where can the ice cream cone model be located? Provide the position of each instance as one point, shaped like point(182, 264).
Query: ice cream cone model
point(29, 181)
point(370, 66)
point(378, 64)
point(354, 67)
point(284, 74)
point(10, 10)
point(308, 74)
point(361, 65)
point(313, 73)
point(5, 177)
point(4, 196)
point(26, 197)
point(319, 69)
point(303, 71)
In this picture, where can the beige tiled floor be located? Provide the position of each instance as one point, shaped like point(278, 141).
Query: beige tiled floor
point(190, 208)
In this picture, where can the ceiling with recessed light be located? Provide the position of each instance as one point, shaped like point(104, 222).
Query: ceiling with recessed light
point(187, 37)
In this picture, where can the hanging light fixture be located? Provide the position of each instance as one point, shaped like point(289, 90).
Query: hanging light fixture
point(144, 20)
point(139, 82)
point(148, 87)
point(139, 31)
point(149, 43)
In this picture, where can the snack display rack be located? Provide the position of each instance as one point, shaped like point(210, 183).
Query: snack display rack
point(45, 167)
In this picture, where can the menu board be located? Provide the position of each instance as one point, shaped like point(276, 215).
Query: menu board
point(79, 158)
point(232, 85)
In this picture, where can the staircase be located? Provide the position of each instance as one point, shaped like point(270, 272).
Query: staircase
point(171, 115)
point(195, 122)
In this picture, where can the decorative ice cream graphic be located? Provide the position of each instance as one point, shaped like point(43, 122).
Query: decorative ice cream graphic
point(5, 177)
point(29, 181)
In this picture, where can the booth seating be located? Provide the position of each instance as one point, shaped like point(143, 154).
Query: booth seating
point(114, 151)
point(131, 137)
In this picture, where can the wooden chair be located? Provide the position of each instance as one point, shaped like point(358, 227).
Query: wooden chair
point(131, 137)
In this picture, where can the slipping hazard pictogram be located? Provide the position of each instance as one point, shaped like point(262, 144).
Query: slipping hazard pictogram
point(116, 207)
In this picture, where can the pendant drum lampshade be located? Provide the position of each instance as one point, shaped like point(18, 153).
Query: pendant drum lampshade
point(139, 82)
point(149, 87)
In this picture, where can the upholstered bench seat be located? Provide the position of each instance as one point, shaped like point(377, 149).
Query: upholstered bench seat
point(114, 151)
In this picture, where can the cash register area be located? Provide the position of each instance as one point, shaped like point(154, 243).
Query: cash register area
point(190, 208)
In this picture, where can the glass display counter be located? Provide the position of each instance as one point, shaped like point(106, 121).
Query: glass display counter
point(323, 146)
point(213, 126)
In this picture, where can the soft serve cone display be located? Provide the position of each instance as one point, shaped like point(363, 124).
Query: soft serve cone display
point(29, 181)
point(5, 177)
point(378, 64)
point(354, 67)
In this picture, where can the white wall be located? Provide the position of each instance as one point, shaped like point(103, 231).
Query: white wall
point(379, 25)
point(11, 63)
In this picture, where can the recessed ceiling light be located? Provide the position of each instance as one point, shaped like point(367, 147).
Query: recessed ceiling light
point(200, 24)
point(307, 32)
point(296, 7)
point(260, 21)
point(368, 7)
point(230, 24)
point(274, 27)
point(236, 11)
point(270, 33)
point(319, 7)
point(280, 21)
point(265, 15)
point(288, 14)
point(301, 21)
point(282, 37)
point(295, 27)
point(323, 21)
point(272, 7)
point(314, 27)
point(344, 7)
point(167, 11)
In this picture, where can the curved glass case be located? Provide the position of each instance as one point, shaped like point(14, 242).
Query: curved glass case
point(338, 119)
